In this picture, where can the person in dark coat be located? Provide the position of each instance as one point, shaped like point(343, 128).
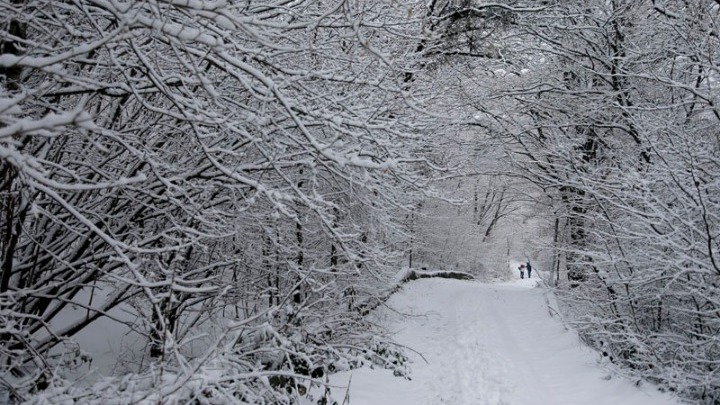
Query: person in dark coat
point(522, 270)
point(529, 268)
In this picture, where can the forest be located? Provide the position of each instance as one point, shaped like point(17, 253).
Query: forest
point(222, 190)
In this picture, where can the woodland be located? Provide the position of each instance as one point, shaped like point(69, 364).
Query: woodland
point(225, 189)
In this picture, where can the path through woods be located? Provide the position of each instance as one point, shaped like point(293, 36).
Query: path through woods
point(489, 344)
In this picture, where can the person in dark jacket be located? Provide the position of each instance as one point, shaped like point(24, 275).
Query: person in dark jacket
point(529, 268)
point(522, 270)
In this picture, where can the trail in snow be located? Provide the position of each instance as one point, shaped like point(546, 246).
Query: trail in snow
point(489, 344)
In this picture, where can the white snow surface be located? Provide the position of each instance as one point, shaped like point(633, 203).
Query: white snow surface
point(488, 344)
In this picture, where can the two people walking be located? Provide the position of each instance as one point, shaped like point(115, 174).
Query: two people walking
point(523, 267)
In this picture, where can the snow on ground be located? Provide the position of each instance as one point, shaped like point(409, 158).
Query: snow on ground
point(488, 344)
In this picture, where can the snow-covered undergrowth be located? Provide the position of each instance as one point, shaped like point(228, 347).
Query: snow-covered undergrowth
point(259, 365)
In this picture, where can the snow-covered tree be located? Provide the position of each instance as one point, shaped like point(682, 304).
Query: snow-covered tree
point(613, 124)
point(220, 171)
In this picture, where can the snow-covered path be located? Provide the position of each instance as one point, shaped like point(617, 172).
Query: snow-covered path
point(489, 344)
